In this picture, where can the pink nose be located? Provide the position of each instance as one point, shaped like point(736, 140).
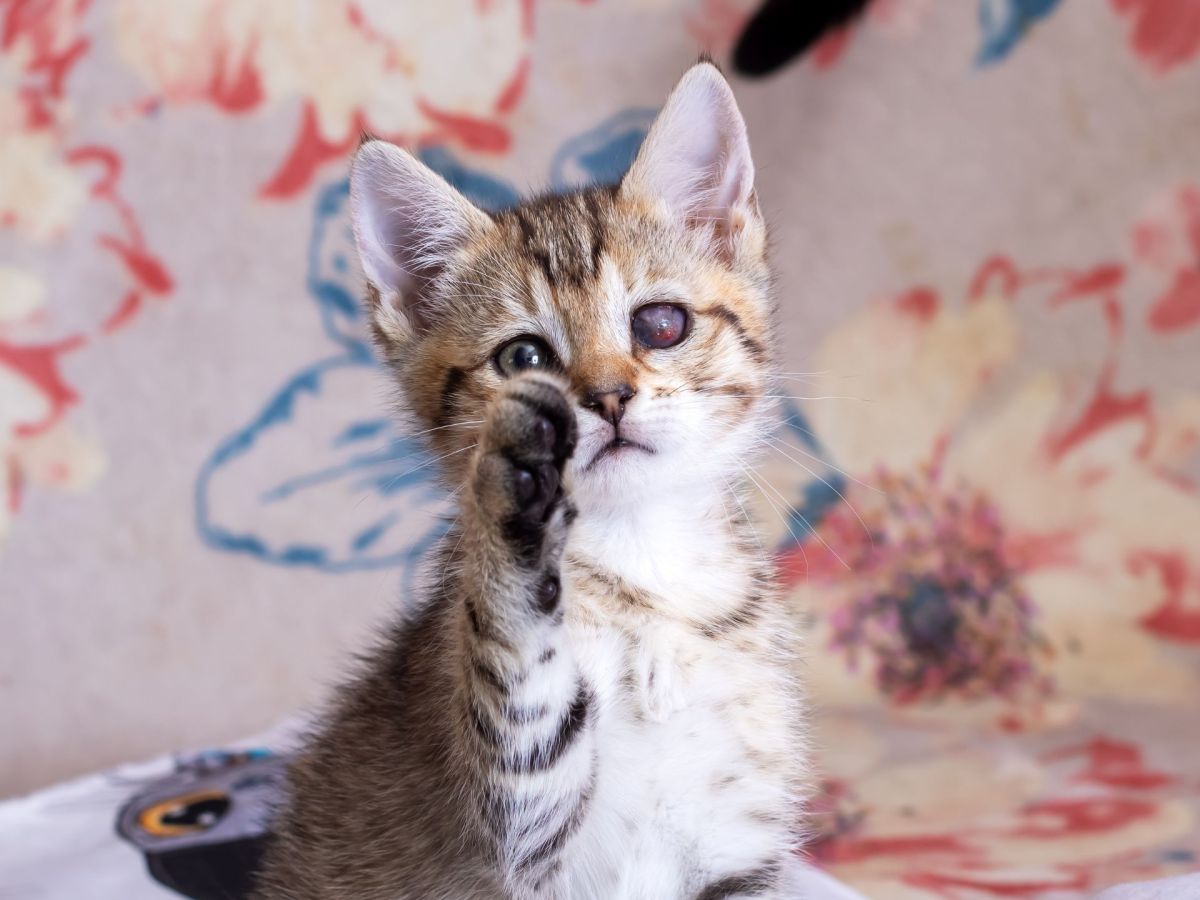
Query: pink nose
point(609, 403)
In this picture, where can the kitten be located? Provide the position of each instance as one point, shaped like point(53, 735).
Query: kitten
point(597, 698)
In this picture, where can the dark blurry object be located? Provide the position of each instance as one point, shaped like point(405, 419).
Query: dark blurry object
point(783, 29)
point(203, 829)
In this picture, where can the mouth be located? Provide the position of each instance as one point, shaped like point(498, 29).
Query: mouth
point(618, 446)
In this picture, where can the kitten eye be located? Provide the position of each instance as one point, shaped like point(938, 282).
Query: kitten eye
point(660, 325)
point(522, 354)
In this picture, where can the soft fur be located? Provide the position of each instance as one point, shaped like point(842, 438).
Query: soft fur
point(597, 697)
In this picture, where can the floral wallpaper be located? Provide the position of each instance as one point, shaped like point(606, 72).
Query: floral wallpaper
point(983, 493)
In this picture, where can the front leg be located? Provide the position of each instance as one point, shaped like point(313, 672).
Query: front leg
point(524, 708)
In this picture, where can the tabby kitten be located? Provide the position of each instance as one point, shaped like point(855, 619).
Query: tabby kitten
point(597, 698)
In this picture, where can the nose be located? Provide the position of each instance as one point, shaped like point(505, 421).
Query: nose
point(608, 402)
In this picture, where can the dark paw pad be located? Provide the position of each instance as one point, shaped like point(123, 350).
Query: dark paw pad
point(533, 428)
point(548, 593)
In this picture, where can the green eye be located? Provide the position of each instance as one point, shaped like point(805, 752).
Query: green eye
point(522, 354)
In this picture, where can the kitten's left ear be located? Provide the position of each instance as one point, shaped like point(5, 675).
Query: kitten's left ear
point(696, 161)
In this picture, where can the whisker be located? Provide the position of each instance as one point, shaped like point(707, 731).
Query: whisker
point(453, 553)
point(427, 462)
point(430, 462)
point(463, 424)
point(828, 464)
point(440, 501)
point(711, 393)
point(780, 513)
point(813, 531)
point(778, 448)
point(823, 373)
point(800, 397)
point(746, 516)
point(774, 506)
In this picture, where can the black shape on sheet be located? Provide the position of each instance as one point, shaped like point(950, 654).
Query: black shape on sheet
point(781, 30)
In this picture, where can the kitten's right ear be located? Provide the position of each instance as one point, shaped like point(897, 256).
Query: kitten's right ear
point(408, 222)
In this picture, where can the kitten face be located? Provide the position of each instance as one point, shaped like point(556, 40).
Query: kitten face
point(649, 299)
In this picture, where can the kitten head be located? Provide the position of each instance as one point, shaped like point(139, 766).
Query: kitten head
point(649, 299)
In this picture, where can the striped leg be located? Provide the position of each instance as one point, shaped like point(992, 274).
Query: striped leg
point(525, 710)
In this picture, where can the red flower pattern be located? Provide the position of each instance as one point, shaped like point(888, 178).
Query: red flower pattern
point(1165, 34)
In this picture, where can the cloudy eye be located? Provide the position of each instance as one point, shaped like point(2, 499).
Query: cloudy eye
point(522, 354)
point(660, 325)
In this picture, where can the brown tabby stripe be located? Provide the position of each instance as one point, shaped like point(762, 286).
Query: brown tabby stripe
point(727, 315)
point(636, 598)
point(628, 595)
point(570, 253)
point(501, 811)
point(753, 882)
point(597, 223)
point(744, 615)
point(481, 626)
point(543, 756)
point(535, 248)
point(551, 870)
point(524, 715)
point(555, 842)
point(547, 755)
point(593, 572)
point(487, 732)
point(496, 810)
point(450, 388)
point(487, 674)
point(473, 617)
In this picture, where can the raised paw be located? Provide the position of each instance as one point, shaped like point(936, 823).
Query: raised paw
point(528, 438)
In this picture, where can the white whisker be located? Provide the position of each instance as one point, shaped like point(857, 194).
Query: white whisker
point(813, 531)
point(781, 450)
point(463, 424)
point(828, 464)
point(749, 521)
point(780, 513)
point(427, 462)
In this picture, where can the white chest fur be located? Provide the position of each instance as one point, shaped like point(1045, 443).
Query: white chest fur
point(682, 553)
point(695, 734)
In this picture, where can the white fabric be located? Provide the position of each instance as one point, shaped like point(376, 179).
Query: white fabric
point(62, 844)
point(1185, 887)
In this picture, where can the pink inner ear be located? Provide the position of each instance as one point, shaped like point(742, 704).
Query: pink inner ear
point(407, 222)
point(697, 156)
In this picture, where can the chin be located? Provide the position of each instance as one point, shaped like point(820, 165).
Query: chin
point(630, 475)
point(614, 477)
point(650, 465)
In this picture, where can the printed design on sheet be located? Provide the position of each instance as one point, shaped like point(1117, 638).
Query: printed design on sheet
point(1164, 34)
point(1166, 244)
point(56, 191)
point(947, 815)
point(450, 72)
point(987, 529)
